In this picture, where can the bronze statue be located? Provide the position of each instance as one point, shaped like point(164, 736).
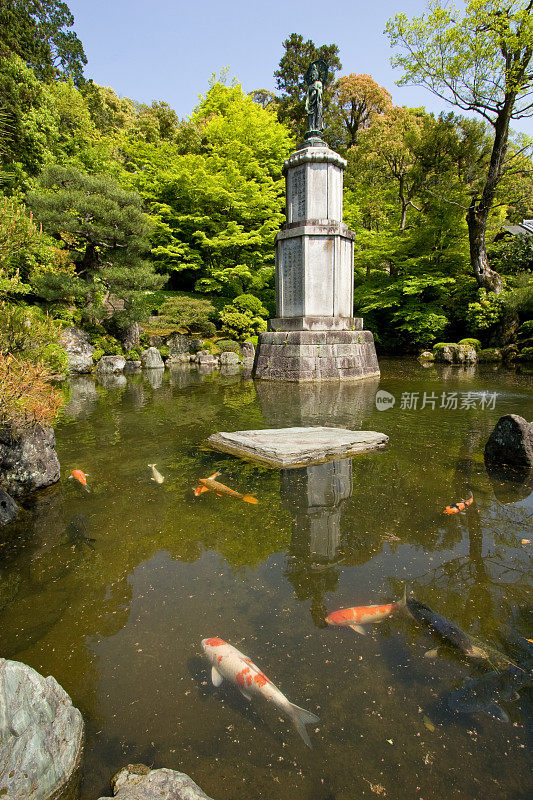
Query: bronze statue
point(315, 78)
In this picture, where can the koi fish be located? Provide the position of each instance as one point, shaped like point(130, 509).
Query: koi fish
point(484, 694)
point(80, 476)
point(462, 505)
point(77, 532)
point(228, 662)
point(210, 484)
point(156, 475)
point(358, 616)
point(445, 630)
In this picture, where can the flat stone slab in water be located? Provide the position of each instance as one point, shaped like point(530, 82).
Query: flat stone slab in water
point(296, 447)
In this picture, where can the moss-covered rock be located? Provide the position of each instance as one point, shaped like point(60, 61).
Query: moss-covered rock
point(475, 343)
point(489, 354)
point(449, 353)
point(426, 355)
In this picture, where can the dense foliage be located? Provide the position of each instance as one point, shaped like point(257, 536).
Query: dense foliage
point(104, 200)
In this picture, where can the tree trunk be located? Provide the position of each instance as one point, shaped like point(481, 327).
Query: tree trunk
point(486, 277)
point(478, 212)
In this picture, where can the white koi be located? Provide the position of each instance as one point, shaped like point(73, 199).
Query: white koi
point(156, 475)
point(228, 662)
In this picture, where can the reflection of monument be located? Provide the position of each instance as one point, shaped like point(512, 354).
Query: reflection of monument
point(314, 496)
point(314, 336)
point(343, 404)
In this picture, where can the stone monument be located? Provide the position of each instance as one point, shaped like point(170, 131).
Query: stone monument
point(314, 335)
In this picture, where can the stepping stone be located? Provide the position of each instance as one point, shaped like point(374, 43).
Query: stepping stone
point(296, 447)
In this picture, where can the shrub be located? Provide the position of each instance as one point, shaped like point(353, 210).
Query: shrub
point(26, 395)
point(486, 311)
point(228, 346)
point(97, 355)
point(208, 345)
point(526, 354)
point(31, 336)
point(527, 327)
point(192, 313)
point(475, 343)
point(251, 303)
point(107, 344)
point(164, 351)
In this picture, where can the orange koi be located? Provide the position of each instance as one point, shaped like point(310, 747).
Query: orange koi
point(210, 484)
point(80, 476)
point(462, 505)
point(358, 616)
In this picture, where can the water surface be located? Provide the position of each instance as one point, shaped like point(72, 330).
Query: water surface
point(118, 621)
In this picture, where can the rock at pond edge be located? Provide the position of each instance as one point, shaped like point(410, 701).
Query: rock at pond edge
point(8, 508)
point(28, 460)
point(138, 782)
point(511, 443)
point(41, 736)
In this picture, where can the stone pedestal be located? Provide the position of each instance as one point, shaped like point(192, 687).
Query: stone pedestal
point(316, 355)
point(314, 335)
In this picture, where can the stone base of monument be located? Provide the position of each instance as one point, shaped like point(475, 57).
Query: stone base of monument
point(315, 356)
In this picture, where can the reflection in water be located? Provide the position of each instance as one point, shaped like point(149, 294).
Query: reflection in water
point(154, 377)
point(83, 396)
point(112, 381)
point(510, 485)
point(340, 404)
point(315, 496)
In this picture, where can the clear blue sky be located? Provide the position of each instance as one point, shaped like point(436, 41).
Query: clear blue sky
point(168, 49)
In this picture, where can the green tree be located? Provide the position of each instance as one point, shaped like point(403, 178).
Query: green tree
point(289, 80)
point(39, 32)
point(479, 61)
point(216, 194)
point(359, 100)
point(105, 232)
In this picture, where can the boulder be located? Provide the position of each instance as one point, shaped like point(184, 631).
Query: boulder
point(156, 341)
point(8, 508)
point(511, 443)
point(228, 358)
point(130, 337)
point(28, 460)
point(177, 359)
point(110, 365)
point(205, 357)
point(179, 344)
point(455, 354)
point(41, 736)
point(248, 350)
point(132, 366)
point(138, 782)
point(79, 350)
point(426, 355)
point(151, 359)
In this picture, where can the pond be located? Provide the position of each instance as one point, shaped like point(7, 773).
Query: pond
point(111, 591)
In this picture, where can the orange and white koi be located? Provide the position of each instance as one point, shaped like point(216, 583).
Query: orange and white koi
point(358, 616)
point(462, 505)
point(80, 476)
point(229, 663)
point(210, 484)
